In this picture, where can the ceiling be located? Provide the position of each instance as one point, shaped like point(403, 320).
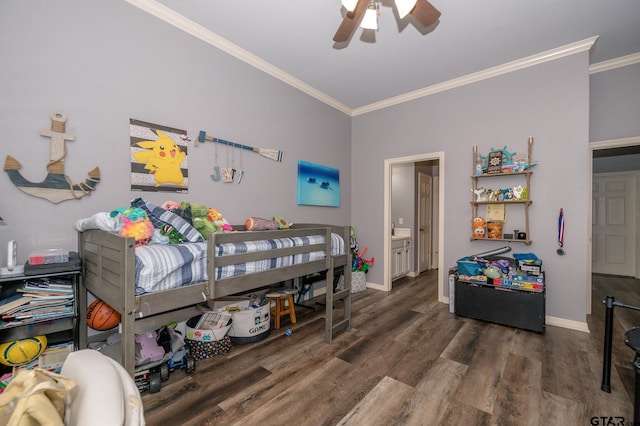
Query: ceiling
point(292, 39)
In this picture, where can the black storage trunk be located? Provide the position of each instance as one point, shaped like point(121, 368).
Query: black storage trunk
point(515, 308)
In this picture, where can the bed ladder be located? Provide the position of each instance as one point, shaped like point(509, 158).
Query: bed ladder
point(344, 295)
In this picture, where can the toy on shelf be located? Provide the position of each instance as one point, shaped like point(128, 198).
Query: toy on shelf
point(479, 227)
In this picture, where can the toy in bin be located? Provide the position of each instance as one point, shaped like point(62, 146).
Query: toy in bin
point(529, 263)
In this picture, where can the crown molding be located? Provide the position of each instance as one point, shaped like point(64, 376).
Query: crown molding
point(190, 27)
point(509, 67)
point(615, 143)
point(612, 64)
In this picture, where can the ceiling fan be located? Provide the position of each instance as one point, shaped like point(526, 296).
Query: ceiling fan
point(421, 10)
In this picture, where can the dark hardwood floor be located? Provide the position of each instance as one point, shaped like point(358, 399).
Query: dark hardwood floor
point(408, 361)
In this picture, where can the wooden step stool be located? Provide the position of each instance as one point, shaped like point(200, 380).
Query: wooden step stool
point(282, 305)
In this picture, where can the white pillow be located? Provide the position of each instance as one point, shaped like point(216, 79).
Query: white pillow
point(100, 399)
point(133, 409)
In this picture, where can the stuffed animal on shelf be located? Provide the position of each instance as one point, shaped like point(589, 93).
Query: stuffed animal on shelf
point(494, 230)
point(479, 227)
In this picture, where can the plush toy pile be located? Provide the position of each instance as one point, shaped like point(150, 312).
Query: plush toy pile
point(133, 222)
point(206, 220)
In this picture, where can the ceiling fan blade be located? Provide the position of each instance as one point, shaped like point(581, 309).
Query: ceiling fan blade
point(350, 22)
point(425, 13)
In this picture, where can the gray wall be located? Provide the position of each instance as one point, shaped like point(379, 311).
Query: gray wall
point(403, 189)
point(102, 63)
point(615, 104)
point(549, 102)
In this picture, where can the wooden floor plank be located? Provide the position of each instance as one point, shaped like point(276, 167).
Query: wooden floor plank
point(514, 405)
point(381, 405)
point(480, 383)
point(434, 394)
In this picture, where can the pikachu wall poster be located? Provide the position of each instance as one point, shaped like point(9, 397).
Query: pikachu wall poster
point(159, 158)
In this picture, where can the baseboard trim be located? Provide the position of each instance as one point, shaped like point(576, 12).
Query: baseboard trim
point(565, 323)
point(376, 286)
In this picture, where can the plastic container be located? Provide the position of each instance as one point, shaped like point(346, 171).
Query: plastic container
point(45, 257)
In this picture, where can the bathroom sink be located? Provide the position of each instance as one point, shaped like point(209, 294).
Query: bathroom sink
point(401, 234)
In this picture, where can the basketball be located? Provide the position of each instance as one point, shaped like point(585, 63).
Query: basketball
point(101, 316)
point(21, 352)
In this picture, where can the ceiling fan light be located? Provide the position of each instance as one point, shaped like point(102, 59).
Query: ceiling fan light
point(350, 5)
point(404, 7)
point(370, 20)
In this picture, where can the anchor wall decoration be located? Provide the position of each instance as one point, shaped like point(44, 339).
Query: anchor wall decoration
point(57, 186)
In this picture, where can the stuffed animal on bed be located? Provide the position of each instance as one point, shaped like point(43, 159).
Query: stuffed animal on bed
point(172, 234)
point(218, 221)
point(260, 224)
point(198, 214)
point(133, 222)
point(201, 217)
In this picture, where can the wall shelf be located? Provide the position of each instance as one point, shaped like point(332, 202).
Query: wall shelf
point(480, 206)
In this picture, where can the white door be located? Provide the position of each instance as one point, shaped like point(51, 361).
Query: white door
point(424, 221)
point(614, 224)
point(435, 237)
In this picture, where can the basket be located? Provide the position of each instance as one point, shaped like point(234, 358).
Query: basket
point(203, 350)
point(358, 281)
point(205, 343)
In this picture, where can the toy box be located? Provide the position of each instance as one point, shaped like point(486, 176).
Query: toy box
point(250, 323)
point(521, 282)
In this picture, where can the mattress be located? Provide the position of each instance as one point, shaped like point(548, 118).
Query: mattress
point(163, 267)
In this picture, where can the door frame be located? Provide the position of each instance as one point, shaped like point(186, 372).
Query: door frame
point(595, 146)
point(388, 163)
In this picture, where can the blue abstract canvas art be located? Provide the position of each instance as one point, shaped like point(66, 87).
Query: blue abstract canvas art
point(318, 185)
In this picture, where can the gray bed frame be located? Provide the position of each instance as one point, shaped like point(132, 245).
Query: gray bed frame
point(109, 274)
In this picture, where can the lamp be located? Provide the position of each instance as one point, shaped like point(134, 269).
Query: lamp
point(370, 19)
point(403, 7)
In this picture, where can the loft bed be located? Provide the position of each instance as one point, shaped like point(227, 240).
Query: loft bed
point(109, 273)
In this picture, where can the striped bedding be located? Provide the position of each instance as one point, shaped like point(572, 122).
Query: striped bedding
point(162, 267)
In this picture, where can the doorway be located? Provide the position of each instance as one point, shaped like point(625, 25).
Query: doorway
point(438, 158)
point(618, 149)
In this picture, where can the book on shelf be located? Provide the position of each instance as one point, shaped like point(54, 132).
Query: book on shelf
point(41, 314)
point(13, 302)
point(36, 295)
point(52, 290)
point(39, 306)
